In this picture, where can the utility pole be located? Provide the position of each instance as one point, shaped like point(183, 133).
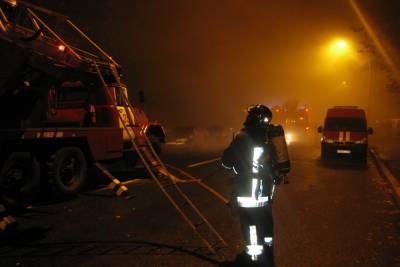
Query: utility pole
point(369, 102)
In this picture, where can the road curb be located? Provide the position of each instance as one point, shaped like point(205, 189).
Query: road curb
point(384, 170)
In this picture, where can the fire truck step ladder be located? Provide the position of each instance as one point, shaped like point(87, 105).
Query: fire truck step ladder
point(161, 176)
point(200, 183)
point(169, 185)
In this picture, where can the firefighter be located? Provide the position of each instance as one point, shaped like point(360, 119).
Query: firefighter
point(258, 156)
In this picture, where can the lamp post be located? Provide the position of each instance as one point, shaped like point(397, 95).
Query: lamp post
point(369, 104)
point(341, 44)
point(368, 56)
point(340, 48)
point(339, 52)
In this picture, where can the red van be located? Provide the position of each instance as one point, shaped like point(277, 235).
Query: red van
point(345, 133)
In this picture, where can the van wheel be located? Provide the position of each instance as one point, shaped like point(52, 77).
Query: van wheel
point(363, 159)
point(19, 180)
point(67, 169)
point(324, 154)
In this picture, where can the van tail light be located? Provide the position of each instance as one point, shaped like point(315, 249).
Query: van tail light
point(325, 139)
point(362, 141)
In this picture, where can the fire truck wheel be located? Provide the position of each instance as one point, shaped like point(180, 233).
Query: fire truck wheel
point(156, 143)
point(67, 170)
point(157, 147)
point(131, 159)
point(19, 179)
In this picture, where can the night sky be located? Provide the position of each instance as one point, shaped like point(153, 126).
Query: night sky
point(203, 62)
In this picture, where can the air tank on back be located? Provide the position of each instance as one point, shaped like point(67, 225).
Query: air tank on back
point(277, 137)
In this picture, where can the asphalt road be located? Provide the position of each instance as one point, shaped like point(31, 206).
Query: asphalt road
point(340, 214)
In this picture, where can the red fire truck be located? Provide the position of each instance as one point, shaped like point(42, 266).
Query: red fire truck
point(295, 120)
point(62, 108)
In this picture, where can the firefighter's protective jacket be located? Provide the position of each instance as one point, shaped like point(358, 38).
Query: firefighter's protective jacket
point(239, 157)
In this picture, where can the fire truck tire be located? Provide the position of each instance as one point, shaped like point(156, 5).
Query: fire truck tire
point(67, 170)
point(157, 147)
point(131, 158)
point(19, 180)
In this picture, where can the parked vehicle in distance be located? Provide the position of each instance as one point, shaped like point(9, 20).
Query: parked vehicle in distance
point(345, 133)
point(295, 121)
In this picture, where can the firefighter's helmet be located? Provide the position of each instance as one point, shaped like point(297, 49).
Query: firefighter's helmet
point(258, 115)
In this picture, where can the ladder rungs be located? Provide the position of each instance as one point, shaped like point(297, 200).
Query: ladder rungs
point(144, 145)
point(166, 185)
point(155, 165)
point(164, 179)
point(199, 224)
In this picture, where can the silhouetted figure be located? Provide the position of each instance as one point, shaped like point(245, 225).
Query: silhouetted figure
point(253, 156)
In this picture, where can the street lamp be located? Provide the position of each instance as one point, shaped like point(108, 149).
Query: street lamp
point(341, 44)
point(339, 47)
point(339, 57)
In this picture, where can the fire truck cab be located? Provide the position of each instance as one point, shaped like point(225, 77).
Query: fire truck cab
point(345, 133)
point(295, 121)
